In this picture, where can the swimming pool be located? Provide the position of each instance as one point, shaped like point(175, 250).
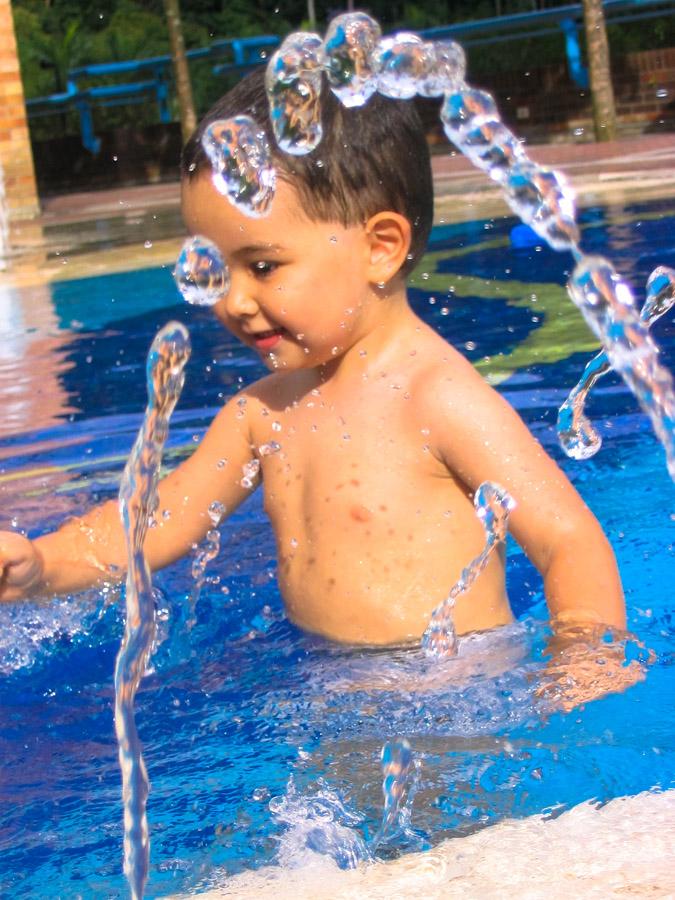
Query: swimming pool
point(262, 741)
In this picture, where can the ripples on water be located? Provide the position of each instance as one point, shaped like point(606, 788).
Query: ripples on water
point(263, 743)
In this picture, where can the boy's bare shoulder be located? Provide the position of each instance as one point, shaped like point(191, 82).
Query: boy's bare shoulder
point(443, 374)
point(463, 414)
point(278, 390)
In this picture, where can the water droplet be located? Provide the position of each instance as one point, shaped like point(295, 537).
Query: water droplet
point(216, 512)
point(350, 45)
point(201, 274)
point(333, 239)
point(446, 68)
point(470, 345)
point(250, 470)
point(241, 164)
point(293, 84)
point(403, 62)
point(276, 426)
point(269, 448)
point(544, 201)
point(662, 93)
point(147, 245)
point(293, 543)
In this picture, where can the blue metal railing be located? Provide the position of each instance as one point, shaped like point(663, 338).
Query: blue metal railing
point(242, 54)
point(550, 21)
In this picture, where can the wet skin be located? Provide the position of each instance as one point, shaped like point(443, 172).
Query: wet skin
point(385, 433)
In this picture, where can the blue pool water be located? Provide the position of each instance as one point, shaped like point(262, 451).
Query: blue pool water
point(260, 739)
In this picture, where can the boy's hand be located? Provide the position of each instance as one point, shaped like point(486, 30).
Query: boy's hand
point(584, 666)
point(21, 566)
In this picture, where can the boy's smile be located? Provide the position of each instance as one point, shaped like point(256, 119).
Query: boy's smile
point(300, 292)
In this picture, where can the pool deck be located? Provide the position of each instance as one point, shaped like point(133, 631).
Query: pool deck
point(140, 226)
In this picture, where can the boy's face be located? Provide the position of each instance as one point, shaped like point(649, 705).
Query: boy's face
point(300, 293)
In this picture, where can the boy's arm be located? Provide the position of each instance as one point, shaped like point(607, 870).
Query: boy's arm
point(92, 549)
point(480, 438)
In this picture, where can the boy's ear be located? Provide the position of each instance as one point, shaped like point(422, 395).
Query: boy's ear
point(388, 234)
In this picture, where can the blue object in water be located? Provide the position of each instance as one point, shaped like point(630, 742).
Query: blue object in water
point(522, 236)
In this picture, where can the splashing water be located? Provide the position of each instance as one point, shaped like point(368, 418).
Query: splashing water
point(403, 62)
point(250, 472)
point(241, 164)
point(351, 41)
point(493, 506)
point(660, 294)
point(399, 767)
point(544, 201)
point(319, 823)
point(358, 61)
point(203, 557)
point(269, 449)
point(201, 273)
point(576, 434)
point(447, 67)
point(293, 83)
point(138, 500)
point(607, 304)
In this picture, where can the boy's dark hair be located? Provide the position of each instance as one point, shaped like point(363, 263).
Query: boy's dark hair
point(371, 158)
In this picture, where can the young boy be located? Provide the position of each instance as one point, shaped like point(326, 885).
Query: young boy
point(385, 431)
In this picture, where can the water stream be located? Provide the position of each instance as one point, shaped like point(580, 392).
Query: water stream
point(138, 498)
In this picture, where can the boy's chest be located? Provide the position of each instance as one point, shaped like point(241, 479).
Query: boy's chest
point(368, 450)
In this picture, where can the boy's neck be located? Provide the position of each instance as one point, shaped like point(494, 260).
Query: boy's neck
point(387, 328)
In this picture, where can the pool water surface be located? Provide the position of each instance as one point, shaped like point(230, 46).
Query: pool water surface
point(262, 742)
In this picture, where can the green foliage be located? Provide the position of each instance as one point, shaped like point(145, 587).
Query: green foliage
point(47, 52)
point(130, 33)
point(57, 35)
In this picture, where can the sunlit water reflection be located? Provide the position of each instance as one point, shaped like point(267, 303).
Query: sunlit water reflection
point(252, 729)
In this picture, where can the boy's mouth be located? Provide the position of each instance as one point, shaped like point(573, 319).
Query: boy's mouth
point(267, 340)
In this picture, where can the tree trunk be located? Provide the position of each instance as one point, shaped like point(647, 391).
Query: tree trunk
point(188, 118)
point(602, 93)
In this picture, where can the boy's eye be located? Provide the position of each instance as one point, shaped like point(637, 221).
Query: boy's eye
point(263, 267)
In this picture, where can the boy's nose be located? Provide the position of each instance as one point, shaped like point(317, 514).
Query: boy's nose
point(239, 302)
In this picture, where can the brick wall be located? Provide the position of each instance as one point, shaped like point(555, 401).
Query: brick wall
point(16, 157)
